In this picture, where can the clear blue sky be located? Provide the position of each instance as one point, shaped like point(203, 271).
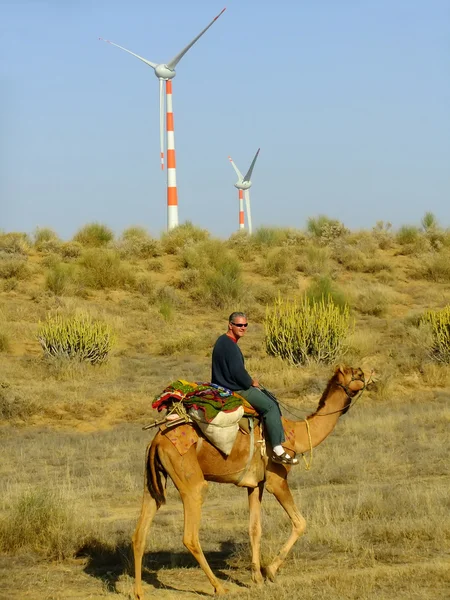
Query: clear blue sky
point(349, 101)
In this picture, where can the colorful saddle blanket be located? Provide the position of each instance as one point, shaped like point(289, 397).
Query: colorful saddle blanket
point(207, 397)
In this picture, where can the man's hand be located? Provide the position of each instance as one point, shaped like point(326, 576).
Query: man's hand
point(255, 383)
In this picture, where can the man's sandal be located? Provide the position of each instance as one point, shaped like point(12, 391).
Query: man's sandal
point(284, 459)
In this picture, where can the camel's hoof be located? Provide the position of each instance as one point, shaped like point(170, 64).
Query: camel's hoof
point(220, 591)
point(269, 574)
point(257, 577)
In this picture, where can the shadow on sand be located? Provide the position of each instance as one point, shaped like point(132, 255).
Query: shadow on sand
point(108, 563)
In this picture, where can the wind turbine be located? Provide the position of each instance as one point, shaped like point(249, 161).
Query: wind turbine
point(166, 72)
point(243, 185)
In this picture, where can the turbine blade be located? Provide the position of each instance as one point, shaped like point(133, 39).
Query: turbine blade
point(161, 121)
point(248, 209)
point(249, 172)
point(238, 173)
point(147, 62)
point(176, 59)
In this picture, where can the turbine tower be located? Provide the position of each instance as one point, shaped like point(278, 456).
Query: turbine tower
point(243, 185)
point(165, 72)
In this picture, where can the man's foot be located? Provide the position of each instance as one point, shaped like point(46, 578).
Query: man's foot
point(284, 459)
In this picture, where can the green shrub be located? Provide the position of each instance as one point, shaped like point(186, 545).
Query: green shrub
point(42, 522)
point(94, 235)
point(187, 233)
point(324, 288)
point(76, 338)
point(59, 278)
point(224, 286)
point(14, 243)
point(439, 321)
point(156, 265)
point(429, 221)
point(102, 269)
point(407, 234)
point(302, 332)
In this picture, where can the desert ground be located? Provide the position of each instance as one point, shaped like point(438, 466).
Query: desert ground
point(376, 497)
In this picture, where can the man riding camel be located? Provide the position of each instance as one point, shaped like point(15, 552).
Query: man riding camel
point(228, 371)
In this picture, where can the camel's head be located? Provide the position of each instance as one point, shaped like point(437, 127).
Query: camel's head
point(351, 381)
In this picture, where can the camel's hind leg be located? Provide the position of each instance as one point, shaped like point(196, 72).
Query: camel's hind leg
point(148, 511)
point(188, 478)
point(278, 486)
point(255, 530)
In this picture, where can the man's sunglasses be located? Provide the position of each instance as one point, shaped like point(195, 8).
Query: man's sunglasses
point(240, 324)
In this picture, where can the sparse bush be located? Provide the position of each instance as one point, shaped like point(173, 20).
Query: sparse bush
point(434, 268)
point(324, 228)
point(94, 235)
point(102, 269)
point(203, 255)
point(145, 285)
point(166, 310)
point(41, 521)
point(156, 264)
point(407, 234)
point(304, 332)
point(189, 279)
point(13, 405)
point(274, 236)
point(324, 288)
point(14, 243)
point(184, 343)
point(75, 338)
point(46, 240)
point(264, 293)
point(187, 233)
point(277, 262)
point(71, 249)
point(314, 260)
point(382, 233)
point(137, 243)
point(59, 278)
point(439, 322)
point(242, 245)
point(14, 267)
point(4, 342)
point(372, 302)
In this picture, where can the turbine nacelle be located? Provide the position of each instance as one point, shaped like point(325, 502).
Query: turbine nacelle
point(243, 185)
point(164, 72)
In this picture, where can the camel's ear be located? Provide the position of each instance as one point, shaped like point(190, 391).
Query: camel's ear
point(340, 369)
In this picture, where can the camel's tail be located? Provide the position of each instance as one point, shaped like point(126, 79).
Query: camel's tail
point(153, 474)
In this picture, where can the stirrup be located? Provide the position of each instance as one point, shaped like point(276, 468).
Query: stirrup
point(284, 459)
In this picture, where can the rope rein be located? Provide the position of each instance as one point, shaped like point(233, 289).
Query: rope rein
point(308, 465)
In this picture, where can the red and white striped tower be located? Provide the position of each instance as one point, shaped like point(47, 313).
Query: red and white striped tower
point(172, 194)
point(241, 209)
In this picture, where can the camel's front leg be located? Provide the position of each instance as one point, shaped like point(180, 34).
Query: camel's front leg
point(254, 502)
point(278, 486)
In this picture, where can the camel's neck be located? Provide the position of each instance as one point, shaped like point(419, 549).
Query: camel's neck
point(321, 423)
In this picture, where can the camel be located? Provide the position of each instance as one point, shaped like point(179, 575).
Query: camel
point(244, 468)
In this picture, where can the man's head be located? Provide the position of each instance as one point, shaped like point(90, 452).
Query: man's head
point(237, 324)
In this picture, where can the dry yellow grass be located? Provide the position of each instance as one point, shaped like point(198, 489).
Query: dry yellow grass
point(376, 500)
